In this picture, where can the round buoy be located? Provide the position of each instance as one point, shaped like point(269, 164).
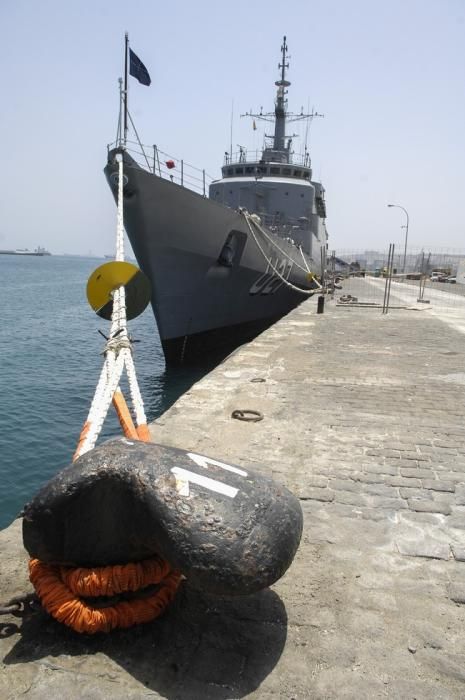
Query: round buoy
point(108, 277)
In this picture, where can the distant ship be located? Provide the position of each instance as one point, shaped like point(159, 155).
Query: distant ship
point(25, 251)
point(225, 267)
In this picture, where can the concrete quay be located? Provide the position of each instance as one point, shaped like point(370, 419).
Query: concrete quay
point(363, 420)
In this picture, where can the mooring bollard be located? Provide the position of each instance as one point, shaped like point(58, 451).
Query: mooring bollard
point(229, 530)
point(321, 305)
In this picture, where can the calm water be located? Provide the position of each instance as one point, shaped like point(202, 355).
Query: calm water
point(50, 353)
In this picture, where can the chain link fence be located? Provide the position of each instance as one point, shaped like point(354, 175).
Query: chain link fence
point(383, 279)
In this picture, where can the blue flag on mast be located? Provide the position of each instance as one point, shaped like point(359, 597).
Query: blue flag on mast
point(137, 69)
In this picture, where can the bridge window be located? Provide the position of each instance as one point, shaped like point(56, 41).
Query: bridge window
point(249, 170)
point(297, 173)
point(274, 171)
point(239, 171)
point(230, 172)
point(286, 171)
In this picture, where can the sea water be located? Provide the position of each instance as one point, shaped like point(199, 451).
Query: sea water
point(50, 361)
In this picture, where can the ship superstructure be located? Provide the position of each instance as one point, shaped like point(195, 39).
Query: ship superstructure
point(275, 183)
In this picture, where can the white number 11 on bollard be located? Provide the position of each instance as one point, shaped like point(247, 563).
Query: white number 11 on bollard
point(185, 476)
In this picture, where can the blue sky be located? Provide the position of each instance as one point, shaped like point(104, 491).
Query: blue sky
point(389, 78)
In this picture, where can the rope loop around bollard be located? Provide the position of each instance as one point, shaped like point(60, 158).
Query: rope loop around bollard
point(247, 414)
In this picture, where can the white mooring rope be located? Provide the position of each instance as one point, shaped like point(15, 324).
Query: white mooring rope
point(250, 220)
point(118, 355)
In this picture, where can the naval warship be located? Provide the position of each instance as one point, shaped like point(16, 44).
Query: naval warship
point(37, 252)
point(223, 266)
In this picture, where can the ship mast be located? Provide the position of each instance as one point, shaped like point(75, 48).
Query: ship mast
point(280, 152)
point(280, 108)
point(125, 129)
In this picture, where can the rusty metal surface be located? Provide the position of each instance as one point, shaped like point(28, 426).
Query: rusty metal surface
point(228, 529)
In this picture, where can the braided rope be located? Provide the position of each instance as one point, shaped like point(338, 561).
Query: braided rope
point(119, 216)
point(103, 404)
point(118, 356)
point(63, 592)
point(307, 292)
point(303, 258)
point(308, 269)
point(136, 397)
point(253, 218)
point(68, 594)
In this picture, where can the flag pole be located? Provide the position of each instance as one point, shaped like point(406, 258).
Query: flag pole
point(126, 43)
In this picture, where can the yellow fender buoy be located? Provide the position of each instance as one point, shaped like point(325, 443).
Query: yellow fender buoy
point(108, 277)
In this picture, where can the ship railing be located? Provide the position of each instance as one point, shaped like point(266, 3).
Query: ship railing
point(245, 156)
point(169, 167)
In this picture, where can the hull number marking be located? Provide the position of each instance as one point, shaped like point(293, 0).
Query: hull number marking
point(270, 282)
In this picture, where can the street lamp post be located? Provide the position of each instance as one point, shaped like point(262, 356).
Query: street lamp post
point(397, 206)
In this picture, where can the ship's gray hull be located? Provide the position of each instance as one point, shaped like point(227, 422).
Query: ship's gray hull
point(201, 300)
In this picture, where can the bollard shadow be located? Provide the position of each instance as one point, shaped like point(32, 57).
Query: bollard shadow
point(203, 647)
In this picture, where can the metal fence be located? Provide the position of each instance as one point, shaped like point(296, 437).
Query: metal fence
point(245, 155)
point(167, 166)
point(386, 279)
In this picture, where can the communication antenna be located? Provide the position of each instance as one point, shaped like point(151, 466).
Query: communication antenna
point(280, 116)
point(307, 124)
point(231, 134)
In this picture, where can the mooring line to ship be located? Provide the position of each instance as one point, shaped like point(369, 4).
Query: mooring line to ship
point(118, 355)
point(308, 292)
point(253, 218)
point(305, 261)
point(73, 595)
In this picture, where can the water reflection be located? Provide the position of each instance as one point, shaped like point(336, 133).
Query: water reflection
point(163, 388)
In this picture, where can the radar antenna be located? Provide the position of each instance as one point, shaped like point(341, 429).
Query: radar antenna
point(280, 115)
point(283, 66)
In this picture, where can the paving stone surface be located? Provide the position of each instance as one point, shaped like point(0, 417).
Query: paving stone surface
point(363, 420)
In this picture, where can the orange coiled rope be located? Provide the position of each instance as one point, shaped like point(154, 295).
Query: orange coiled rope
point(61, 591)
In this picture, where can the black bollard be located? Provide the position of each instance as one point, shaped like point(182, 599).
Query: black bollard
point(321, 304)
point(229, 530)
